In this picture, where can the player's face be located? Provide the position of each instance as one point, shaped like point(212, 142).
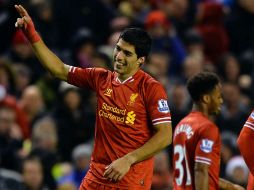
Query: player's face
point(216, 100)
point(125, 58)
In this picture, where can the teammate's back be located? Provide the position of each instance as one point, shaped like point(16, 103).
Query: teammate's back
point(196, 139)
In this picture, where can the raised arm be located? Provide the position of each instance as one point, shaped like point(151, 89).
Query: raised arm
point(47, 58)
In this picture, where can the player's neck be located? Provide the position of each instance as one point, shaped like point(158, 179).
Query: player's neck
point(124, 77)
point(200, 108)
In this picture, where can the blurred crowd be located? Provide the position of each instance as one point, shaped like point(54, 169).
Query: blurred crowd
point(47, 126)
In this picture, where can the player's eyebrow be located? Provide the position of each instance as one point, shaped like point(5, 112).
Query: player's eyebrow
point(126, 52)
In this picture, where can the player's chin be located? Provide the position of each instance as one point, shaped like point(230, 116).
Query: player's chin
point(119, 70)
point(216, 112)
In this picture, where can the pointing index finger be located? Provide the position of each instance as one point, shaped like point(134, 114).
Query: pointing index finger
point(21, 10)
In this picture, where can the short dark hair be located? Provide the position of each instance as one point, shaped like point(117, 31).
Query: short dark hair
point(201, 84)
point(139, 38)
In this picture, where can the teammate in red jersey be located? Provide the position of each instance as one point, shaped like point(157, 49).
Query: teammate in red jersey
point(196, 139)
point(245, 142)
point(133, 120)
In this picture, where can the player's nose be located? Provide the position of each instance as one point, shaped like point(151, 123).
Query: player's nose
point(221, 101)
point(119, 56)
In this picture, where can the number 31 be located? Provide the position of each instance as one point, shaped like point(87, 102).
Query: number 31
point(180, 150)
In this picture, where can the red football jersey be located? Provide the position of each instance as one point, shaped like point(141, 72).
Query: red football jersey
point(196, 139)
point(246, 143)
point(250, 182)
point(126, 112)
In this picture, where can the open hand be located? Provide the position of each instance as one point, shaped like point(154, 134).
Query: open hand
point(117, 169)
point(238, 187)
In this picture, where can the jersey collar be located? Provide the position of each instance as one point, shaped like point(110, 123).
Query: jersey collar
point(130, 79)
point(136, 76)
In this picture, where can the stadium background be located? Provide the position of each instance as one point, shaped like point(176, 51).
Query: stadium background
point(45, 118)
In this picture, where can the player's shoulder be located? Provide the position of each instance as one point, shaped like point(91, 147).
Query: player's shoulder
point(251, 117)
point(203, 122)
point(207, 122)
point(102, 72)
point(207, 126)
point(148, 80)
point(206, 129)
point(97, 70)
point(197, 116)
point(249, 124)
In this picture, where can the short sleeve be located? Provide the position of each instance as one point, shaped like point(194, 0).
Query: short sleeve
point(87, 77)
point(157, 104)
point(207, 146)
point(245, 142)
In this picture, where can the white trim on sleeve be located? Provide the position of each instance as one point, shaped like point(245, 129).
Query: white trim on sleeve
point(249, 123)
point(72, 69)
point(248, 126)
point(203, 158)
point(161, 119)
point(202, 161)
point(156, 123)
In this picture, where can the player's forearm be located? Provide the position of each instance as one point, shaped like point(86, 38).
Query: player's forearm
point(160, 140)
point(226, 185)
point(50, 61)
point(201, 179)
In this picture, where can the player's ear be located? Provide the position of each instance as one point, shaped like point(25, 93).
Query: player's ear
point(141, 60)
point(206, 99)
